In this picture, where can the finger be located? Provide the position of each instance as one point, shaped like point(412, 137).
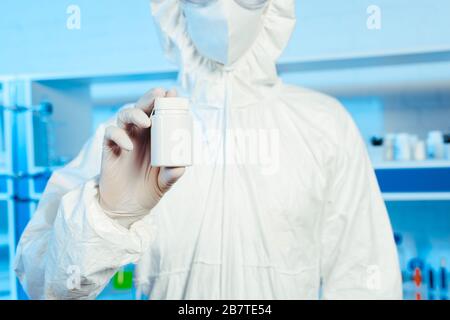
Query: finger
point(118, 137)
point(146, 102)
point(172, 93)
point(168, 176)
point(133, 116)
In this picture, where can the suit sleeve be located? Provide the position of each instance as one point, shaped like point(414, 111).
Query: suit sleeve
point(358, 252)
point(71, 248)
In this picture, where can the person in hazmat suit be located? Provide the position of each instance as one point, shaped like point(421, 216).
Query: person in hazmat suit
point(281, 201)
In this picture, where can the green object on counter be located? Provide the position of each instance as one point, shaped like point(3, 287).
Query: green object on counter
point(123, 280)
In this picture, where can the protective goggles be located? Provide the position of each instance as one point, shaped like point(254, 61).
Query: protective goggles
point(247, 4)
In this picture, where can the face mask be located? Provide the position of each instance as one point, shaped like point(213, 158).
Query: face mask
point(223, 30)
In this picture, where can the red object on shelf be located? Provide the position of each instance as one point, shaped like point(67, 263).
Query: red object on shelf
point(417, 277)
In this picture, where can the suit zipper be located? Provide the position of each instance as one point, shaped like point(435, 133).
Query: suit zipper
point(226, 259)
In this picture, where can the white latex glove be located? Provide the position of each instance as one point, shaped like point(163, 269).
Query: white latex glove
point(129, 186)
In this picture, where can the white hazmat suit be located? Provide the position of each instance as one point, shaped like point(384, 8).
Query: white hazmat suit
point(281, 202)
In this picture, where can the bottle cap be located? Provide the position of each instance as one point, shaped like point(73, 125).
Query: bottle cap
point(376, 141)
point(447, 138)
point(435, 135)
point(175, 103)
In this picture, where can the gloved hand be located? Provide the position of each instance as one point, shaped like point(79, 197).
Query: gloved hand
point(129, 186)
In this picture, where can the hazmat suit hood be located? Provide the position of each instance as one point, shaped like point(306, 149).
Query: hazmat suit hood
point(255, 70)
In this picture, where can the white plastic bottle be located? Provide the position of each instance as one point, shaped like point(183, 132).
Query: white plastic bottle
point(171, 133)
point(389, 142)
point(402, 148)
point(420, 153)
point(447, 146)
point(435, 145)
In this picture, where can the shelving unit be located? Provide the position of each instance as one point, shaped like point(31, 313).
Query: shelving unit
point(416, 196)
point(412, 164)
point(414, 180)
point(33, 152)
point(7, 229)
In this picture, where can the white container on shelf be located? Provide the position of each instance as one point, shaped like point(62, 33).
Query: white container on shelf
point(420, 153)
point(389, 142)
point(413, 139)
point(375, 149)
point(402, 148)
point(171, 133)
point(447, 146)
point(435, 145)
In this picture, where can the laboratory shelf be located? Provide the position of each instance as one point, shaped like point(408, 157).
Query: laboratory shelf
point(412, 164)
point(416, 196)
point(414, 180)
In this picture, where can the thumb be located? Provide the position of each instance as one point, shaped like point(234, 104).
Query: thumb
point(168, 176)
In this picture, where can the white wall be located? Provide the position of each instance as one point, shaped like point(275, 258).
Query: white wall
point(118, 36)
